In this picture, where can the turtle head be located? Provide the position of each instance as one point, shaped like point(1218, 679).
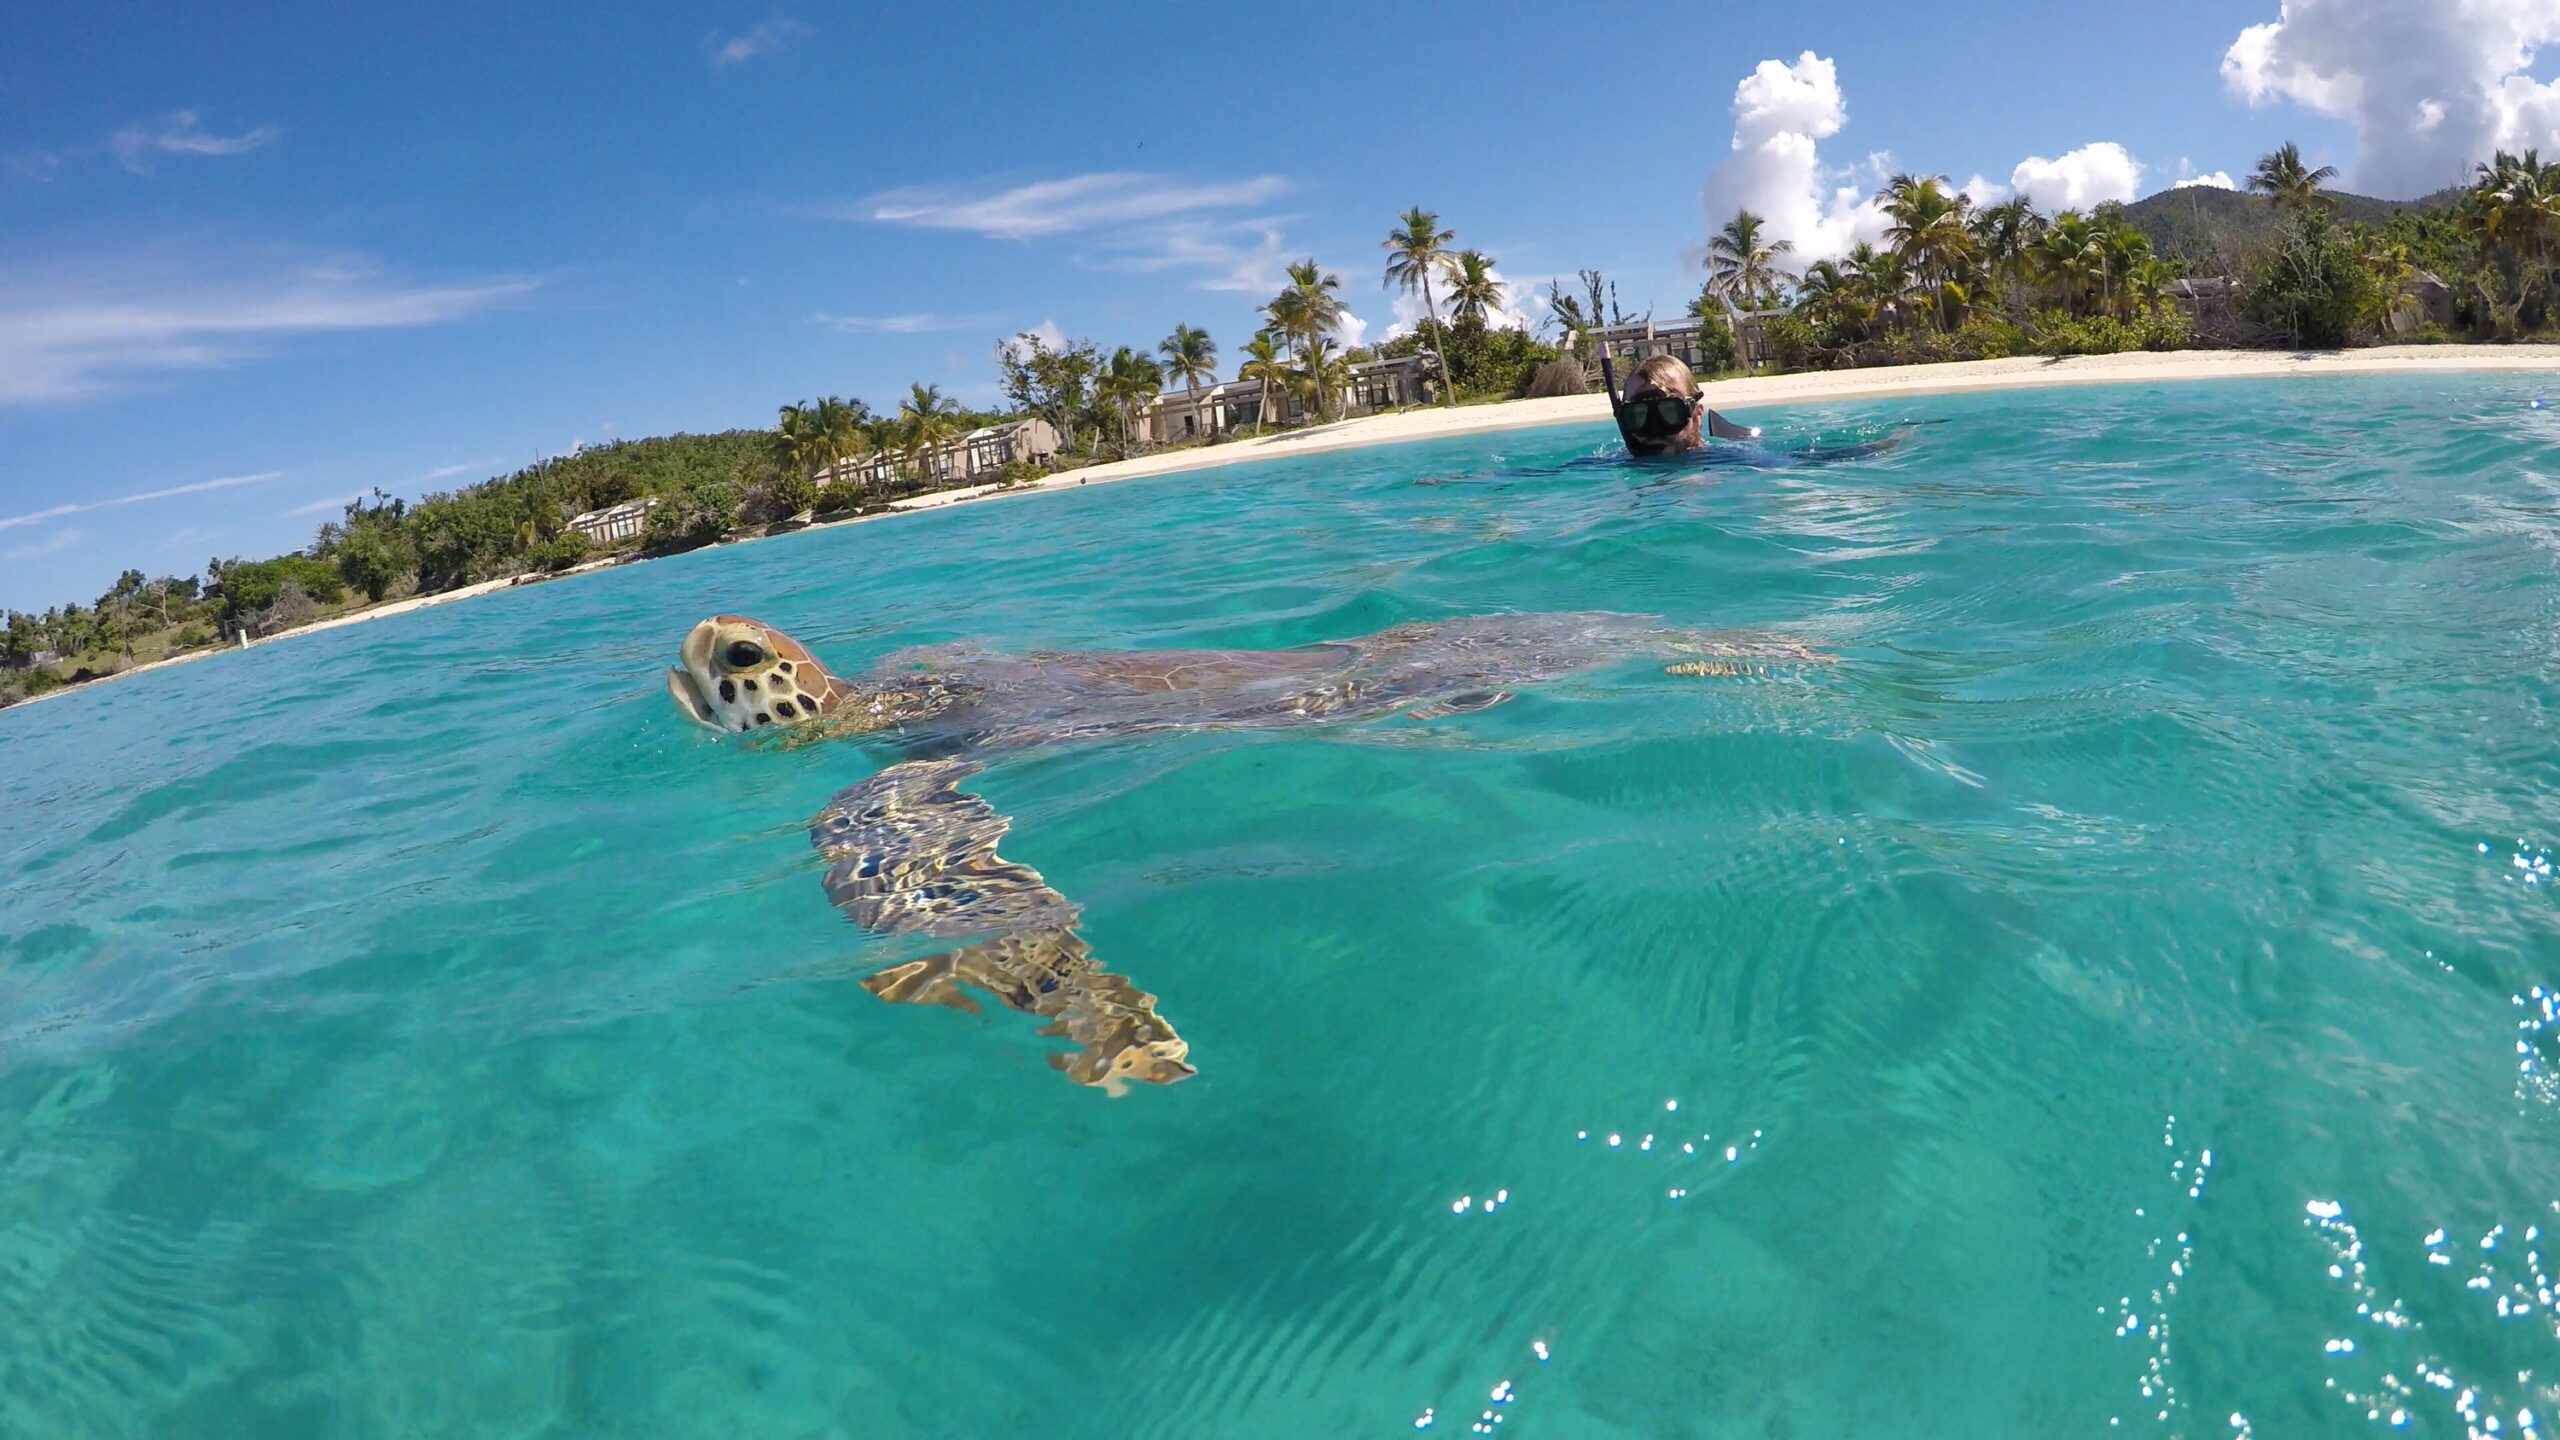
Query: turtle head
point(739, 674)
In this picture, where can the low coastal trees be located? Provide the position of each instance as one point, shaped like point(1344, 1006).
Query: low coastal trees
point(1054, 383)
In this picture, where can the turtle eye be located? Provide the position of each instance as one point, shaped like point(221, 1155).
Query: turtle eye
point(744, 654)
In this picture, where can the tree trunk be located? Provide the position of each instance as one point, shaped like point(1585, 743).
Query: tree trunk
point(1448, 392)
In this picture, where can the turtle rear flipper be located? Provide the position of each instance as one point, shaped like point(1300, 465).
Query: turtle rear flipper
point(910, 853)
point(1463, 703)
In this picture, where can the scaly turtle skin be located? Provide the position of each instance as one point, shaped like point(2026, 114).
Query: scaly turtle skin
point(910, 853)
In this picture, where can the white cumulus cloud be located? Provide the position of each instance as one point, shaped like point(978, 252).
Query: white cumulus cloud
point(1781, 114)
point(2211, 180)
point(2432, 86)
point(2078, 179)
point(1046, 332)
point(1983, 190)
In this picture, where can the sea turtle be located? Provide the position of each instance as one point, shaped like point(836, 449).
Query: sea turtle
point(910, 853)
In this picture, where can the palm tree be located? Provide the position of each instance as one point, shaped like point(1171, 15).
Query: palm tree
point(2122, 249)
point(1262, 363)
point(1190, 356)
point(1929, 234)
point(2068, 254)
point(1128, 380)
point(1318, 304)
point(795, 439)
point(1321, 375)
point(1742, 266)
point(1472, 288)
point(927, 419)
point(1877, 288)
point(2150, 281)
point(1415, 249)
point(836, 426)
point(2282, 177)
point(1287, 317)
point(2516, 204)
point(2003, 234)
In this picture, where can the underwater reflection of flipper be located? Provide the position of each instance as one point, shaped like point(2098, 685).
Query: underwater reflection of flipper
point(910, 853)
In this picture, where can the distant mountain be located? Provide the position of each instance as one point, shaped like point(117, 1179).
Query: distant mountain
point(2211, 227)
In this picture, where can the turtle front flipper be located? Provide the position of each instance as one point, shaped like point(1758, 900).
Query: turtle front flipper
point(910, 853)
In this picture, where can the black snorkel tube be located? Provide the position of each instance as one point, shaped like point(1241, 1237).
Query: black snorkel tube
point(1609, 388)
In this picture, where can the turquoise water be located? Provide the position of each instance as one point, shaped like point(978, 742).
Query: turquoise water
point(2104, 1002)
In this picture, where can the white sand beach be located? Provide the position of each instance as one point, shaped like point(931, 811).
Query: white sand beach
point(1738, 395)
point(2025, 372)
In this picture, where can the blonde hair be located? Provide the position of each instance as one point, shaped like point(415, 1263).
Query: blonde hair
point(1667, 373)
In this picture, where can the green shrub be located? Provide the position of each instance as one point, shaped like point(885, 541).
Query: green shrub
point(2060, 334)
point(696, 512)
point(791, 492)
point(1483, 362)
point(561, 551)
point(255, 586)
point(2311, 284)
point(1717, 351)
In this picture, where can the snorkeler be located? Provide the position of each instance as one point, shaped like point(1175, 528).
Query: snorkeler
point(1659, 413)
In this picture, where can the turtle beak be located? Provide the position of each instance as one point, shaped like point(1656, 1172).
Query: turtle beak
point(690, 683)
point(695, 652)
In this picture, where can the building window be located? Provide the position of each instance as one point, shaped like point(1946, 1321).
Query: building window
point(1190, 424)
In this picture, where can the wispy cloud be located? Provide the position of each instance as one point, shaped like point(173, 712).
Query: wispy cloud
point(81, 507)
point(332, 505)
point(189, 535)
point(1057, 207)
point(66, 335)
point(1244, 256)
point(177, 133)
point(765, 39)
point(53, 544)
point(900, 324)
point(36, 166)
point(447, 472)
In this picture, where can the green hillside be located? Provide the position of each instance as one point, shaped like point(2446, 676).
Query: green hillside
point(2210, 229)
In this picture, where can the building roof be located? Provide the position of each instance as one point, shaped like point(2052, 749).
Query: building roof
point(611, 513)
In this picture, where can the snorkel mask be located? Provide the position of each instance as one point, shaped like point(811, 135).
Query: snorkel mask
point(1654, 418)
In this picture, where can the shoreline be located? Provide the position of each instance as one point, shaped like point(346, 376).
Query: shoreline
point(1810, 387)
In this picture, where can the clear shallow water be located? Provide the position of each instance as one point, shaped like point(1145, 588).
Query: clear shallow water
point(414, 1029)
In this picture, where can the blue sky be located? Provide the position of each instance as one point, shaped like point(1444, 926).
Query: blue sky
point(256, 259)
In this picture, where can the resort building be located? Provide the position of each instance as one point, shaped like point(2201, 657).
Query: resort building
point(1639, 339)
point(615, 523)
point(982, 452)
point(1375, 385)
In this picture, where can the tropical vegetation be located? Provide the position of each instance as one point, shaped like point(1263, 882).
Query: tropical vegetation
point(2289, 262)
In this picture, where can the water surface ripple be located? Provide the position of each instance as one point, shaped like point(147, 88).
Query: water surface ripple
point(2117, 998)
